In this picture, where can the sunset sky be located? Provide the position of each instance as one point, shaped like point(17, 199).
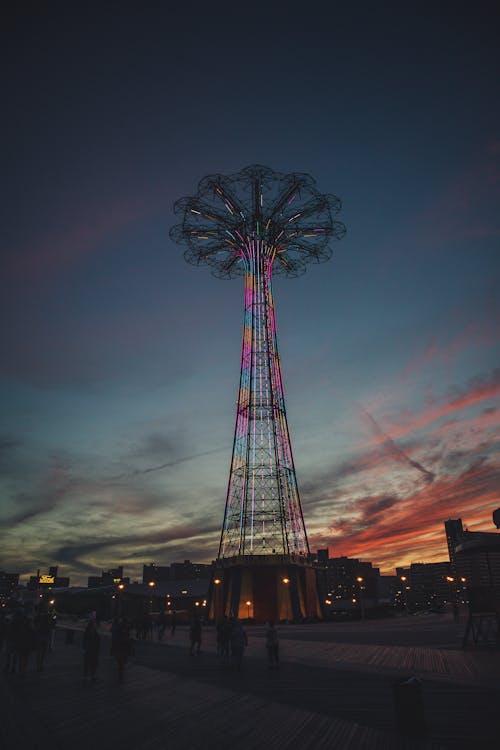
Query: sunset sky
point(119, 362)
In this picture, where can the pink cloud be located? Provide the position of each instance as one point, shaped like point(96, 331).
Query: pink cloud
point(479, 390)
point(466, 208)
point(473, 336)
point(85, 234)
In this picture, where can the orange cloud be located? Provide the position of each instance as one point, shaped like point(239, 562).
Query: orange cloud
point(393, 531)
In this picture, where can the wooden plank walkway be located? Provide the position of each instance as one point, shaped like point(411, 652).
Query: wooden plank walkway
point(479, 667)
point(326, 695)
point(155, 709)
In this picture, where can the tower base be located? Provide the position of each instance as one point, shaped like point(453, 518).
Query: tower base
point(263, 588)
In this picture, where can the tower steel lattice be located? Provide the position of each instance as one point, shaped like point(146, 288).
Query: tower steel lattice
point(257, 224)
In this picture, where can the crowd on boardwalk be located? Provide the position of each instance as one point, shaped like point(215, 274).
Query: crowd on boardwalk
point(232, 641)
point(22, 637)
point(25, 640)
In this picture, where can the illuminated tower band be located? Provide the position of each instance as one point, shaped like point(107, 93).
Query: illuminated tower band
point(257, 224)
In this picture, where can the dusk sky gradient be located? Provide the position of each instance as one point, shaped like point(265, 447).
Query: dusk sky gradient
point(120, 362)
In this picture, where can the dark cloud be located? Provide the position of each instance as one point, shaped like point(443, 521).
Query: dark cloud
point(166, 465)
point(395, 451)
point(51, 492)
point(482, 386)
point(159, 444)
point(489, 410)
point(29, 507)
point(368, 512)
point(8, 443)
point(72, 554)
point(11, 454)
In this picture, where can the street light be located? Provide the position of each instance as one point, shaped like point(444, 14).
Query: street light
point(454, 598)
point(451, 581)
point(249, 604)
point(151, 585)
point(359, 579)
point(217, 606)
point(463, 589)
point(406, 588)
point(286, 581)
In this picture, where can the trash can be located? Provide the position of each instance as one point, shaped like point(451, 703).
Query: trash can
point(409, 707)
point(70, 636)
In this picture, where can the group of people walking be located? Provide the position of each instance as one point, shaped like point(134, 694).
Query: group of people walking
point(163, 621)
point(232, 641)
point(26, 638)
point(144, 625)
point(122, 646)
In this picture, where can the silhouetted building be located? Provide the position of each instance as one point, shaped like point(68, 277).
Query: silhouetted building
point(496, 518)
point(157, 573)
point(8, 585)
point(424, 586)
point(475, 555)
point(348, 585)
point(108, 578)
point(387, 586)
point(322, 556)
point(185, 571)
point(454, 534)
point(48, 580)
point(342, 575)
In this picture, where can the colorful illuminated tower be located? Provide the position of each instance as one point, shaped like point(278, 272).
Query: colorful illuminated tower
point(259, 224)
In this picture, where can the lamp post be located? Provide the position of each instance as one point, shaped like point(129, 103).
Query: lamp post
point(463, 581)
point(286, 581)
point(406, 589)
point(359, 579)
point(249, 604)
point(217, 610)
point(453, 597)
point(151, 585)
point(119, 600)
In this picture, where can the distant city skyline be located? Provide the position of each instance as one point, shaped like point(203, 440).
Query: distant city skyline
point(119, 362)
point(112, 570)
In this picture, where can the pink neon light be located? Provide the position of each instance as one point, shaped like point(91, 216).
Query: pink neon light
point(262, 442)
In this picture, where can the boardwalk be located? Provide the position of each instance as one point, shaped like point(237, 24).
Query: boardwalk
point(329, 693)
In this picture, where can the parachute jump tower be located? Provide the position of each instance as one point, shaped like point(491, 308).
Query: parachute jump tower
point(259, 224)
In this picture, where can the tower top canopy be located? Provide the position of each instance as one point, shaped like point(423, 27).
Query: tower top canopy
point(285, 214)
